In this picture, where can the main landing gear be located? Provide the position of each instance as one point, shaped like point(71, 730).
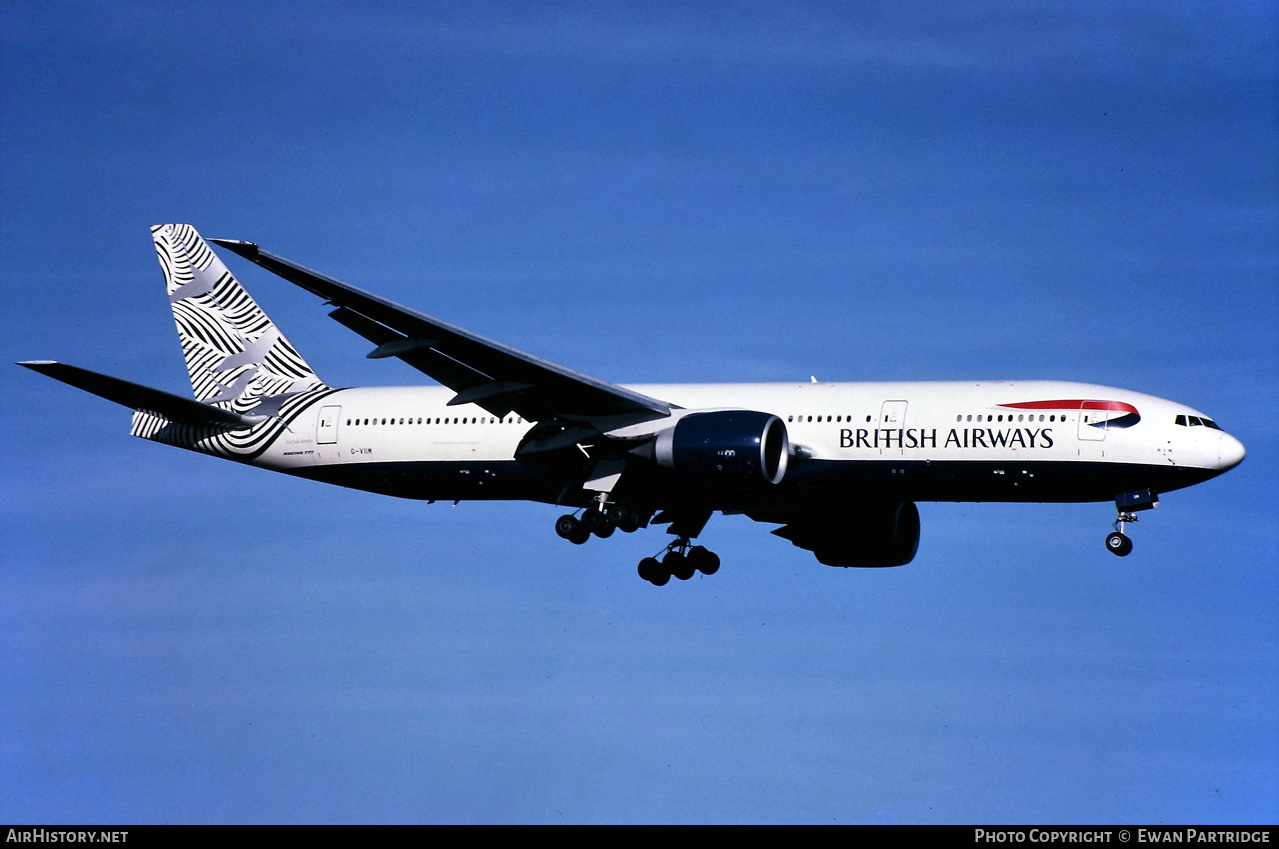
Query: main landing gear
point(1117, 543)
point(680, 560)
point(598, 519)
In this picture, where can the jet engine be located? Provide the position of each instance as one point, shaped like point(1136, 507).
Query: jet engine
point(731, 448)
point(865, 536)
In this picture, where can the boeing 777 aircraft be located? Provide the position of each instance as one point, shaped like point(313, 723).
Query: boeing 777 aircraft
point(838, 465)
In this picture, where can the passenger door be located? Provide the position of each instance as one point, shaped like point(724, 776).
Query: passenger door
point(326, 429)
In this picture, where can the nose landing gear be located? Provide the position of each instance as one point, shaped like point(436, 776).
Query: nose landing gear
point(1118, 543)
point(1126, 506)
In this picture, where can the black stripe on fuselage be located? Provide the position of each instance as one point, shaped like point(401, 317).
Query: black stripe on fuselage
point(811, 482)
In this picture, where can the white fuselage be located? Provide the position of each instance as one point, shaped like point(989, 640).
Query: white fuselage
point(983, 428)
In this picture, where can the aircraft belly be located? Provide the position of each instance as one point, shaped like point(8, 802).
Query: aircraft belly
point(502, 480)
point(821, 483)
point(964, 480)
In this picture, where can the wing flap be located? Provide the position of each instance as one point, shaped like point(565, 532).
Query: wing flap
point(446, 370)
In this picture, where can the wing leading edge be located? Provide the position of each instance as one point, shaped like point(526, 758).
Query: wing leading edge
point(483, 372)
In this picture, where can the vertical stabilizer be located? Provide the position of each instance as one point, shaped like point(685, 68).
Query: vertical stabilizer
point(236, 356)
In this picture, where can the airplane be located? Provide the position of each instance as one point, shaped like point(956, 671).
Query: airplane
point(839, 466)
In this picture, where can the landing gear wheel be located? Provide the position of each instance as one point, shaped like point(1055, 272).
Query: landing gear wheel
point(703, 559)
point(592, 519)
point(1118, 544)
point(679, 565)
point(580, 535)
point(605, 529)
point(629, 523)
point(566, 526)
point(651, 570)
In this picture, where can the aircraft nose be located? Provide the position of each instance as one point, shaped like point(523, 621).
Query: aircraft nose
point(1230, 452)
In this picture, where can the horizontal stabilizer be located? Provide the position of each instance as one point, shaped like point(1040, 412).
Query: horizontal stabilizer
point(175, 408)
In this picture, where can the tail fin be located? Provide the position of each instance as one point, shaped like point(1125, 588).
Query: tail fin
point(236, 357)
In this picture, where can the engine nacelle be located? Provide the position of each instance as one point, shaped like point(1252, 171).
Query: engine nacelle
point(887, 536)
point(864, 536)
point(732, 448)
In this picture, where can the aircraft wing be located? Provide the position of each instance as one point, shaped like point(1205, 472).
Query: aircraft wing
point(492, 375)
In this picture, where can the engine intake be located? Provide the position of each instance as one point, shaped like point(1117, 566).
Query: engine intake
point(733, 448)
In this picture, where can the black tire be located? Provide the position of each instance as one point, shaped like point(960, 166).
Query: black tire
point(566, 526)
point(605, 529)
point(704, 560)
point(1118, 544)
point(629, 523)
point(580, 535)
point(592, 519)
point(651, 570)
point(679, 566)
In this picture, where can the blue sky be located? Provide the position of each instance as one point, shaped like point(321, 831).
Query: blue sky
point(650, 193)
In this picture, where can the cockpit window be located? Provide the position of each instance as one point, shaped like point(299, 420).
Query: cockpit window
point(1196, 421)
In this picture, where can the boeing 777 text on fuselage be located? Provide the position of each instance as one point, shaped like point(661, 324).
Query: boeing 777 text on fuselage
point(838, 465)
